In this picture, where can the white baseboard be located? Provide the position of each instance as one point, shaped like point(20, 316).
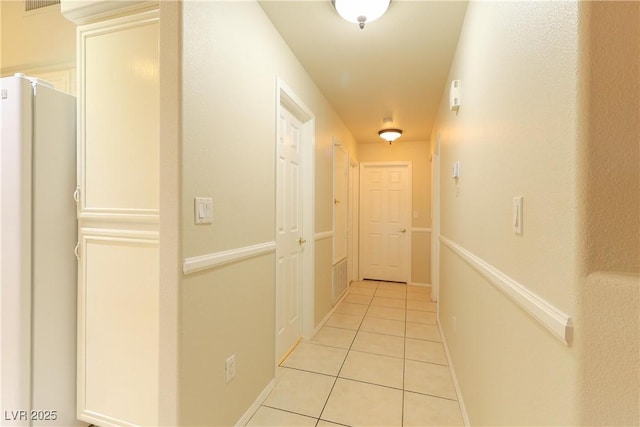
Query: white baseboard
point(463, 409)
point(256, 404)
point(420, 284)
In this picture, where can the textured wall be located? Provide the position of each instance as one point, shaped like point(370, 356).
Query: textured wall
point(45, 38)
point(610, 342)
point(608, 333)
point(231, 57)
point(514, 135)
point(550, 110)
point(170, 189)
point(611, 147)
point(323, 298)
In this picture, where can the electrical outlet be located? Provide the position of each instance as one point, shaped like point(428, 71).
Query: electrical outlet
point(230, 367)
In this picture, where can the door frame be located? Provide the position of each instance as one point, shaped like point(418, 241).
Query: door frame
point(435, 218)
point(409, 166)
point(287, 98)
point(343, 246)
point(354, 220)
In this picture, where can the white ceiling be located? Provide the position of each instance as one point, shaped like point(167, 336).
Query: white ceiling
point(395, 67)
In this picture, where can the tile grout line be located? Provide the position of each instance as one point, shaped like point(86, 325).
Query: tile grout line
point(345, 358)
point(283, 410)
point(435, 396)
point(375, 384)
point(404, 355)
point(404, 359)
point(429, 363)
point(350, 349)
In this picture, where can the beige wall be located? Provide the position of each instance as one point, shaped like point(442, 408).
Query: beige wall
point(417, 152)
point(610, 221)
point(39, 40)
point(550, 109)
point(41, 37)
point(611, 123)
point(323, 278)
point(170, 160)
point(514, 135)
point(231, 57)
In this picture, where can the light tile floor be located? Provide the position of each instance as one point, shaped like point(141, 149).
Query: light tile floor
point(377, 361)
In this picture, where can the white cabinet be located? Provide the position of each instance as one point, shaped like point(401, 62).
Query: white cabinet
point(118, 211)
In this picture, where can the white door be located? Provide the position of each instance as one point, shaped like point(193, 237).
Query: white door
point(385, 221)
point(289, 232)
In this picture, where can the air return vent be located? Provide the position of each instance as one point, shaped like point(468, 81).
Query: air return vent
point(340, 280)
point(38, 4)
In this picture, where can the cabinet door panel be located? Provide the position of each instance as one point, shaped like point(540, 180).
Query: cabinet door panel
point(118, 175)
point(119, 168)
point(119, 328)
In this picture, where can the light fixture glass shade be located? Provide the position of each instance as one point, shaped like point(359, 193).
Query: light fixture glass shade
point(390, 135)
point(361, 11)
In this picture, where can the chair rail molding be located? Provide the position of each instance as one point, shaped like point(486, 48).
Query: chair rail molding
point(557, 322)
point(323, 235)
point(420, 230)
point(216, 259)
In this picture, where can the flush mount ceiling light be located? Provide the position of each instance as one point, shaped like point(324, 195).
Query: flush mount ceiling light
point(361, 11)
point(390, 135)
point(388, 132)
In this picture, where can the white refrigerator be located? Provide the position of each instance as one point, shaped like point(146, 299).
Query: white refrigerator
point(38, 267)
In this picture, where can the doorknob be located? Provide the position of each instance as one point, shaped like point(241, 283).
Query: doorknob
point(301, 241)
point(404, 230)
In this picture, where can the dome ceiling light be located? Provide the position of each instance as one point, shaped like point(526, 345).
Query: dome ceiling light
point(388, 132)
point(390, 135)
point(361, 11)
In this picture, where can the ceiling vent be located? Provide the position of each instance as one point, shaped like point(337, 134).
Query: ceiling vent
point(38, 4)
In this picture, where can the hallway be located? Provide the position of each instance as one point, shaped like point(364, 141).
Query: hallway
point(378, 360)
point(525, 194)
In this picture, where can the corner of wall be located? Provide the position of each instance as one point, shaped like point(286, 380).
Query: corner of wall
point(607, 329)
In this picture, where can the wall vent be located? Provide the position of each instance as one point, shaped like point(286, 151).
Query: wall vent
point(340, 280)
point(38, 4)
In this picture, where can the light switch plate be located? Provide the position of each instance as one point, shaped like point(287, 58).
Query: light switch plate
point(517, 214)
point(455, 170)
point(454, 95)
point(203, 210)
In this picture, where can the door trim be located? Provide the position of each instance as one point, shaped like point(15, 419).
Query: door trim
point(340, 249)
point(435, 219)
point(354, 219)
point(287, 98)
